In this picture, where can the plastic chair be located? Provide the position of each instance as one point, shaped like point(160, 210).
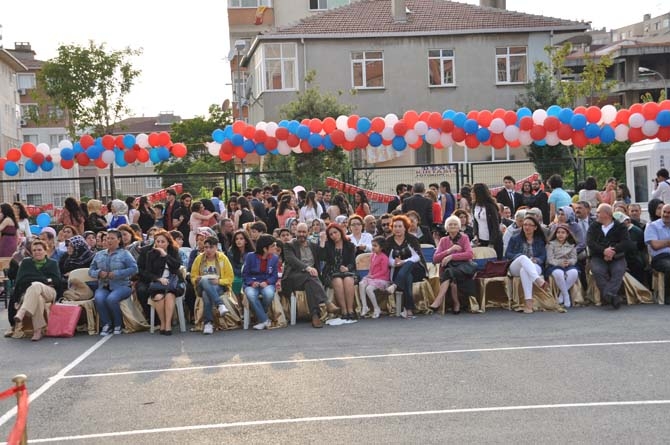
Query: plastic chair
point(428, 251)
point(179, 304)
point(4, 279)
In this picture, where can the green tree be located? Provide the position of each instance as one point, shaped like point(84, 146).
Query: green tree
point(311, 169)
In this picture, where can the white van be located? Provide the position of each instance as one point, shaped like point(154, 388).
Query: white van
point(643, 160)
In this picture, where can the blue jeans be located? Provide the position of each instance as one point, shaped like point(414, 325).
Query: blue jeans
point(403, 279)
point(211, 294)
point(260, 306)
point(109, 303)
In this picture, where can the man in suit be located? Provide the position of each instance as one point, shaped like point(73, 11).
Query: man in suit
point(399, 190)
point(541, 200)
point(420, 204)
point(583, 215)
point(507, 196)
point(257, 204)
point(301, 272)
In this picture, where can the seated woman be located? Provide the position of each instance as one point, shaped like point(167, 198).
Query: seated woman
point(339, 269)
point(466, 225)
point(260, 275)
point(236, 254)
point(361, 240)
point(527, 253)
point(454, 254)
point(131, 240)
point(39, 281)
point(406, 261)
point(48, 235)
point(421, 232)
point(113, 268)
point(78, 255)
point(562, 261)
point(159, 269)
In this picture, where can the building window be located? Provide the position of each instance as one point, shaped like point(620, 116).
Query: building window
point(279, 66)
point(54, 112)
point(30, 111)
point(239, 85)
point(32, 138)
point(367, 69)
point(153, 183)
point(666, 23)
point(441, 67)
point(511, 64)
point(424, 155)
point(34, 199)
point(25, 81)
point(248, 3)
point(318, 5)
point(55, 139)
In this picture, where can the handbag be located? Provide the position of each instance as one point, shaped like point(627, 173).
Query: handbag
point(172, 286)
point(494, 269)
point(63, 319)
point(463, 267)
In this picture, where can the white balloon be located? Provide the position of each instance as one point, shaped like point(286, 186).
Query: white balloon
point(650, 128)
point(65, 144)
point(421, 128)
point(271, 128)
point(108, 156)
point(566, 142)
point(261, 125)
point(621, 133)
point(497, 125)
point(446, 140)
point(283, 148)
point(43, 148)
point(391, 119)
point(142, 140)
point(608, 113)
point(432, 136)
point(525, 138)
point(539, 116)
point(213, 148)
point(296, 149)
point(511, 133)
point(552, 138)
point(411, 137)
point(341, 122)
point(636, 120)
point(349, 134)
point(388, 133)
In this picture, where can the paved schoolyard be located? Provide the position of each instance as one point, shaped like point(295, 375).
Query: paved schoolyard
point(592, 375)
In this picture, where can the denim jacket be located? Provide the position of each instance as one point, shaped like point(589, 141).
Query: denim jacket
point(120, 262)
point(515, 248)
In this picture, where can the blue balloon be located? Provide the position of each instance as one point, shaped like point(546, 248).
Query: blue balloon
point(30, 166)
point(163, 153)
point(121, 162)
point(11, 168)
point(274, 152)
point(578, 122)
point(261, 150)
point(43, 220)
point(153, 156)
point(47, 166)
point(293, 126)
point(375, 139)
point(523, 112)
point(459, 119)
point(237, 140)
point(249, 146)
point(663, 118)
point(218, 135)
point(77, 148)
point(592, 131)
point(607, 134)
point(283, 123)
point(328, 143)
point(94, 152)
point(399, 143)
point(553, 110)
point(67, 154)
point(470, 126)
point(35, 229)
point(483, 134)
point(540, 143)
point(565, 115)
point(302, 132)
point(228, 132)
point(315, 140)
point(363, 125)
point(129, 141)
point(448, 114)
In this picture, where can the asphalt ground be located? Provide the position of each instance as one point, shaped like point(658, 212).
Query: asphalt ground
point(593, 375)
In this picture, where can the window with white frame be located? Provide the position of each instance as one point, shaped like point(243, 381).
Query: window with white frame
point(30, 111)
point(367, 69)
point(26, 81)
point(55, 112)
point(279, 66)
point(441, 67)
point(239, 85)
point(54, 139)
point(153, 183)
point(32, 138)
point(511, 64)
point(34, 199)
point(248, 3)
point(318, 5)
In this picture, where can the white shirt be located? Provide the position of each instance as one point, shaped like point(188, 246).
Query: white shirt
point(607, 228)
point(662, 192)
point(482, 223)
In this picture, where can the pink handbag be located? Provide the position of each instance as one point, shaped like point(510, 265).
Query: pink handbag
point(63, 319)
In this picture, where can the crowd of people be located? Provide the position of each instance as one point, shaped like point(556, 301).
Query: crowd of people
point(269, 240)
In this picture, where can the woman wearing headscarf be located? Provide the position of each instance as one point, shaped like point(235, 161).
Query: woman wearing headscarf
point(78, 255)
point(119, 214)
point(566, 215)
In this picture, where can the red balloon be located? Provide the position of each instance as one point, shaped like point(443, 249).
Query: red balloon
point(635, 108)
point(100, 163)
point(225, 157)
point(86, 141)
point(38, 158)
point(260, 136)
point(352, 121)
point(418, 144)
point(551, 123)
point(130, 156)
point(329, 125)
point(498, 112)
point(271, 143)
point(3, 161)
point(179, 150)
point(458, 134)
point(281, 133)
point(386, 142)
point(650, 110)
point(108, 141)
point(67, 164)
point(361, 141)
point(249, 132)
point(622, 116)
point(435, 120)
point(28, 149)
point(485, 117)
point(239, 126)
point(240, 153)
point(400, 128)
point(593, 114)
point(665, 105)
point(348, 145)
point(514, 144)
point(292, 140)
point(143, 155)
point(315, 126)
point(663, 134)
point(580, 110)
point(472, 114)
point(579, 139)
point(424, 116)
point(526, 123)
point(82, 159)
point(337, 137)
point(305, 147)
point(377, 124)
point(510, 117)
point(118, 142)
point(164, 139)
point(226, 147)
point(447, 126)
point(13, 154)
point(635, 135)
point(305, 122)
point(564, 132)
point(471, 141)
point(410, 118)
point(153, 139)
point(498, 141)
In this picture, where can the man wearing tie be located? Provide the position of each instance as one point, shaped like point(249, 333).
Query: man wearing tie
point(507, 196)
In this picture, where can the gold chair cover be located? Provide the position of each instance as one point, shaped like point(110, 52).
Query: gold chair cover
point(576, 292)
point(542, 300)
point(133, 317)
point(89, 322)
point(493, 293)
point(230, 320)
point(636, 292)
point(423, 297)
point(275, 313)
point(658, 285)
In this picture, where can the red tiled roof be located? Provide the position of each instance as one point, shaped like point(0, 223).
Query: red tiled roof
point(427, 16)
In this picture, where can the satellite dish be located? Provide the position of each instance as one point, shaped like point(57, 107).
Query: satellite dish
point(225, 106)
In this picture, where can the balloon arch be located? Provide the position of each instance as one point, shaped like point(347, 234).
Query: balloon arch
point(498, 128)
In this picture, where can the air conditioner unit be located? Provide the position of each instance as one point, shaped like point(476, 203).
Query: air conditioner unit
point(24, 122)
point(22, 91)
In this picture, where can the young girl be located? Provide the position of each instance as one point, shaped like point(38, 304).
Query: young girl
point(378, 277)
point(562, 261)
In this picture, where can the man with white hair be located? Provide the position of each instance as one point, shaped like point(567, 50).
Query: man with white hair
point(608, 241)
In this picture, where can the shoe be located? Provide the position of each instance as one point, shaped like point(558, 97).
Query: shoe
point(404, 315)
point(364, 310)
point(117, 330)
point(331, 308)
point(376, 313)
point(261, 326)
point(316, 321)
point(106, 330)
point(566, 302)
point(391, 289)
point(345, 316)
point(161, 332)
point(528, 308)
point(456, 312)
point(616, 301)
point(545, 286)
point(37, 335)
point(560, 299)
point(222, 309)
point(168, 332)
point(208, 329)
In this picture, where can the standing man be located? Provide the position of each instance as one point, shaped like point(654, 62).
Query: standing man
point(608, 241)
point(541, 200)
point(662, 190)
point(507, 196)
point(420, 204)
point(657, 237)
point(257, 204)
point(170, 210)
point(399, 190)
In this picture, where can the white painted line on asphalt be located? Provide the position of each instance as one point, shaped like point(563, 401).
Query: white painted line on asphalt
point(364, 357)
point(55, 379)
point(349, 417)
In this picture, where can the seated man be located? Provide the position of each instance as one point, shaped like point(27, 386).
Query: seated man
point(211, 275)
point(301, 272)
point(657, 237)
point(608, 241)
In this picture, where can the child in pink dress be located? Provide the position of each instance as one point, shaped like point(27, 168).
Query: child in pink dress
point(378, 277)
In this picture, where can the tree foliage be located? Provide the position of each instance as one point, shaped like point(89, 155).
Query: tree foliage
point(90, 83)
point(310, 170)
